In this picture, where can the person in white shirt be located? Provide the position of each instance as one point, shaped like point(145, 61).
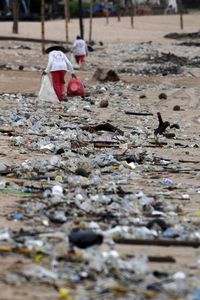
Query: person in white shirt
point(58, 65)
point(80, 50)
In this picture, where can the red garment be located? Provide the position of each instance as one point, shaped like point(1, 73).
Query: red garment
point(58, 80)
point(80, 58)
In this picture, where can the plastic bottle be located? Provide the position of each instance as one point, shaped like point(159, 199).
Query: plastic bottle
point(167, 181)
point(55, 161)
point(2, 184)
point(57, 191)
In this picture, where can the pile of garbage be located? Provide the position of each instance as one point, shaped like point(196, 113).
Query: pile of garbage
point(82, 199)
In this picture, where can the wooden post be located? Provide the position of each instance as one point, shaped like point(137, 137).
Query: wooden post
point(181, 15)
point(15, 7)
point(132, 14)
point(29, 6)
point(42, 25)
point(66, 19)
point(180, 7)
point(119, 11)
point(91, 16)
point(68, 11)
point(181, 21)
point(118, 17)
point(106, 11)
point(81, 19)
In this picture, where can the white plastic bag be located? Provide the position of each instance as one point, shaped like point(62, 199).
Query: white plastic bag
point(47, 93)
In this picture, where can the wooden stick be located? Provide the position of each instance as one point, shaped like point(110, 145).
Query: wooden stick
point(138, 113)
point(161, 242)
point(157, 259)
point(189, 161)
point(107, 12)
point(161, 126)
point(24, 39)
point(80, 4)
point(161, 259)
point(180, 5)
point(15, 15)
point(66, 19)
point(91, 16)
point(43, 26)
point(132, 14)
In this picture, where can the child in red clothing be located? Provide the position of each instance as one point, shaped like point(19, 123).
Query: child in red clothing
point(80, 59)
point(80, 50)
point(58, 65)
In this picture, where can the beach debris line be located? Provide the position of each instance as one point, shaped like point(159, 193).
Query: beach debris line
point(190, 35)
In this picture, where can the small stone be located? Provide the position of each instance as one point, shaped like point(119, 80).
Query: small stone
point(82, 172)
point(103, 103)
point(162, 96)
point(177, 108)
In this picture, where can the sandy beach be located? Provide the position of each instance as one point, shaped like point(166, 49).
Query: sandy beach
point(123, 46)
point(146, 28)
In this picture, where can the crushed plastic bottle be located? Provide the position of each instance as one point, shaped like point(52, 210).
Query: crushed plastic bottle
point(57, 191)
point(5, 235)
point(2, 184)
point(167, 181)
point(55, 161)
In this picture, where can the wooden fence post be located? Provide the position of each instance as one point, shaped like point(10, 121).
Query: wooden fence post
point(66, 19)
point(42, 25)
point(91, 17)
point(15, 6)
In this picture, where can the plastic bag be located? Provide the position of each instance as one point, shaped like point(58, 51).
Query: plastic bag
point(47, 92)
point(75, 88)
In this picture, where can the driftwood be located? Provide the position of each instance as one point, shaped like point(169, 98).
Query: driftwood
point(177, 36)
point(158, 259)
point(159, 242)
point(105, 144)
point(170, 57)
point(104, 126)
point(138, 113)
point(168, 170)
point(23, 39)
point(161, 259)
point(189, 161)
point(162, 125)
point(190, 44)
